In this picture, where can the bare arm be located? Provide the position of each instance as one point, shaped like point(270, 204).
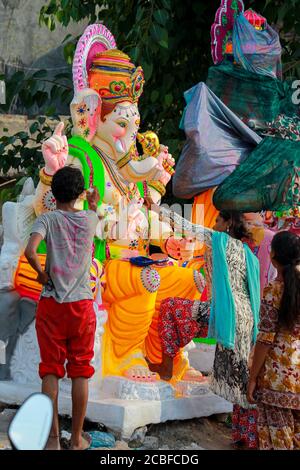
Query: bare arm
point(182, 225)
point(267, 331)
point(259, 356)
point(93, 198)
point(33, 259)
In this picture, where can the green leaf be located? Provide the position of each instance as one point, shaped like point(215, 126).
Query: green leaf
point(154, 96)
point(12, 139)
point(40, 74)
point(21, 181)
point(54, 92)
point(66, 75)
point(167, 4)
point(34, 127)
point(52, 26)
point(41, 98)
point(139, 14)
point(41, 119)
point(22, 135)
point(267, 3)
point(65, 96)
point(164, 44)
point(69, 50)
point(5, 129)
point(161, 16)
point(50, 111)
point(50, 8)
point(33, 85)
point(158, 33)
point(17, 77)
point(60, 15)
point(169, 99)
point(48, 22)
point(68, 36)
point(148, 69)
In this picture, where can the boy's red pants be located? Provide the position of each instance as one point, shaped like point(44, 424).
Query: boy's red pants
point(66, 332)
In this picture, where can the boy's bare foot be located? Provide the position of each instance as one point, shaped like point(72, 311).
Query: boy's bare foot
point(84, 442)
point(53, 443)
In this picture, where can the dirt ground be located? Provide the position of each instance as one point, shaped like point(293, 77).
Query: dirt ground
point(210, 433)
point(198, 434)
point(207, 433)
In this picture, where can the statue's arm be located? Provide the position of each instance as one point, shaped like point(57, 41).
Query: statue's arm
point(149, 168)
point(140, 170)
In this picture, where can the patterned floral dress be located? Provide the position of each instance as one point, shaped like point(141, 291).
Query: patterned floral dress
point(279, 382)
point(230, 371)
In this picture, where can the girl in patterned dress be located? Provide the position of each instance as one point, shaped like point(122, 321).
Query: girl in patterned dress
point(274, 381)
point(181, 320)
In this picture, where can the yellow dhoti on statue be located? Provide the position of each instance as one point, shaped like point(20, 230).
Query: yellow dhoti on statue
point(134, 295)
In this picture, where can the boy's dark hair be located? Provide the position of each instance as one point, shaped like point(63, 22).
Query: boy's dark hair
point(67, 184)
point(286, 250)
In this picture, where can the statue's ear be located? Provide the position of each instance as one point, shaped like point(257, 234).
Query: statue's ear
point(85, 112)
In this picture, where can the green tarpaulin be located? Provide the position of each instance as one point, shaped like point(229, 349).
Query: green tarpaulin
point(250, 95)
point(267, 180)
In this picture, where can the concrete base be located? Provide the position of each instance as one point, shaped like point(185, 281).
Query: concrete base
point(121, 404)
point(124, 416)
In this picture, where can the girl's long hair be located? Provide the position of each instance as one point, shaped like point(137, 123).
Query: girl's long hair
point(286, 251)
point(238, 227)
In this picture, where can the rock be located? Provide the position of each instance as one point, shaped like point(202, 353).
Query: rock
point(5, 418)
point(66, 435)
point(93, 426)
point(7, 415)
point(164, 448)
point(192, 446)
point(137, 438)
point(150, 443)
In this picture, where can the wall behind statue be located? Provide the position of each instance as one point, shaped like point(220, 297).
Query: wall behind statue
point(22, 40)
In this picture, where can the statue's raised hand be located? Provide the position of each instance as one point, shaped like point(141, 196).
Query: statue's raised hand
point(55, 150)
point(166, 163)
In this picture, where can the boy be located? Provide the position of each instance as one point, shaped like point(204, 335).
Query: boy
point(65, 319)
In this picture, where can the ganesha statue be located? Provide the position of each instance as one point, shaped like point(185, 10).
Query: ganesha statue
point(106, 122)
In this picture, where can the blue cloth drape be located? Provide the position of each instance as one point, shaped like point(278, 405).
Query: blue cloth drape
point(222, 315)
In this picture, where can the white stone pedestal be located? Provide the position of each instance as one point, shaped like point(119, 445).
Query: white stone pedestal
point(121, 404)
point(124, 416)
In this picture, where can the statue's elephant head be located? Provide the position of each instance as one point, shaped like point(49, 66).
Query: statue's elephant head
point(104, 110)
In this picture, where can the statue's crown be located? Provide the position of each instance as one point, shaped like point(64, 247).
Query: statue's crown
point(115, 77)
point(257, 21)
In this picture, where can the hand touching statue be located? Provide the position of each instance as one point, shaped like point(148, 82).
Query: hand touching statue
point(55, 150)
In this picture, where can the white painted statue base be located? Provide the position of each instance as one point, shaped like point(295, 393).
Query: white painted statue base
point(124, 416)
point(122, 405)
